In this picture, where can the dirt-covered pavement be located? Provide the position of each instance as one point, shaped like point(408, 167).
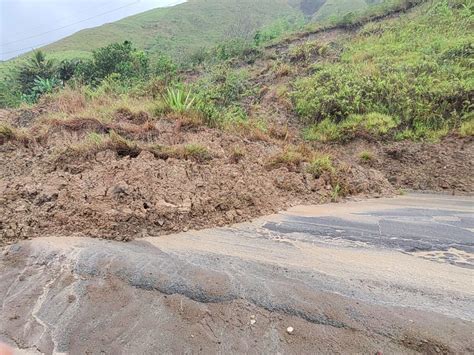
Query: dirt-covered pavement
point(388, 275)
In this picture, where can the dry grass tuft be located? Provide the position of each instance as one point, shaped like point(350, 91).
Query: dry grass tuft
point(69, 101)
point(125, 114)
point(237, 155)
point(292, 157)
point(8, 133)
point(80, 125)
point(95, 143)
point(192, 151)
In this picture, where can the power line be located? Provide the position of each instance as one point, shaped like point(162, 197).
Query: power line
point(63, 27)
point(66, 19)
point(25, 49)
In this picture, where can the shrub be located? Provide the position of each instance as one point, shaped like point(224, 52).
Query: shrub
point(117, 58)
point(165, 67)
point(42, 86)
point(236, 49)
point(218, 94)
point(276, 29)
point(67, 69)
point(10, 95)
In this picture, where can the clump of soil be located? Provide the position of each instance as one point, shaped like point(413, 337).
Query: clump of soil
point(107, 194)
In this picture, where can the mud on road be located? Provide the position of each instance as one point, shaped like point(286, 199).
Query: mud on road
point(348, 278)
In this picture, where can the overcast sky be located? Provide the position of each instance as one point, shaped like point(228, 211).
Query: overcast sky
point(23, 23)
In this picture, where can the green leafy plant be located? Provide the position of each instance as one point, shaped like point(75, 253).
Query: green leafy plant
point(38, 66)
point(178, 100)
point(44, 85)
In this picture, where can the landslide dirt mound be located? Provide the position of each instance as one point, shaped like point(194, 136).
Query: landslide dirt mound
point(444, 166)
point(194, 177)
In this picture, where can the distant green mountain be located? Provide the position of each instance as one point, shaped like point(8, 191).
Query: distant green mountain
point(182, 29)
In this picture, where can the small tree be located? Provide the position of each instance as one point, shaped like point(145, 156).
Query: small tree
point(37, 66)
point(116, 58)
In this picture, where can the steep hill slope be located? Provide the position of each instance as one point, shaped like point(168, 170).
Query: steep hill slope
point(182, 29)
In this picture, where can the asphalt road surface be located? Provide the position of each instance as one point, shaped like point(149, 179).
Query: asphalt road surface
point(387, 275)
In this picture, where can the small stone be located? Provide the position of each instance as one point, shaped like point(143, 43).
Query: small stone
point(290, 330)
point(253, 321)
point(252, 316)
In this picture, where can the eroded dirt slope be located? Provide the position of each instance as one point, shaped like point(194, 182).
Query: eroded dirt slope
point(48, 188)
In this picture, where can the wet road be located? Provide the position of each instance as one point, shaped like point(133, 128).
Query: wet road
point(390, 275)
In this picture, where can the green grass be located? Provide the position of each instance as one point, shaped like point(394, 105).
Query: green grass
point(417, 69)
point(373, 124)
point(181, 29)
point(339, 8)
point(321, 164)
point(467, 128)
point(366, 156)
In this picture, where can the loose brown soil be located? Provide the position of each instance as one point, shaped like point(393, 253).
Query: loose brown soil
point(121, 193)
point(48, 189)
point(446, 166)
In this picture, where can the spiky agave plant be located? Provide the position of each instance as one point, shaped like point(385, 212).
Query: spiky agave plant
point(178, 101)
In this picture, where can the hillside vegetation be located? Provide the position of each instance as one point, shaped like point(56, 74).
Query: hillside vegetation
point(415, 73)
point(180, 30)
point(300, 113)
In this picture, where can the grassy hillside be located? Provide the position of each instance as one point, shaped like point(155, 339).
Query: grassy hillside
point(181, 29)
point(415, 72)
point(339, 8)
